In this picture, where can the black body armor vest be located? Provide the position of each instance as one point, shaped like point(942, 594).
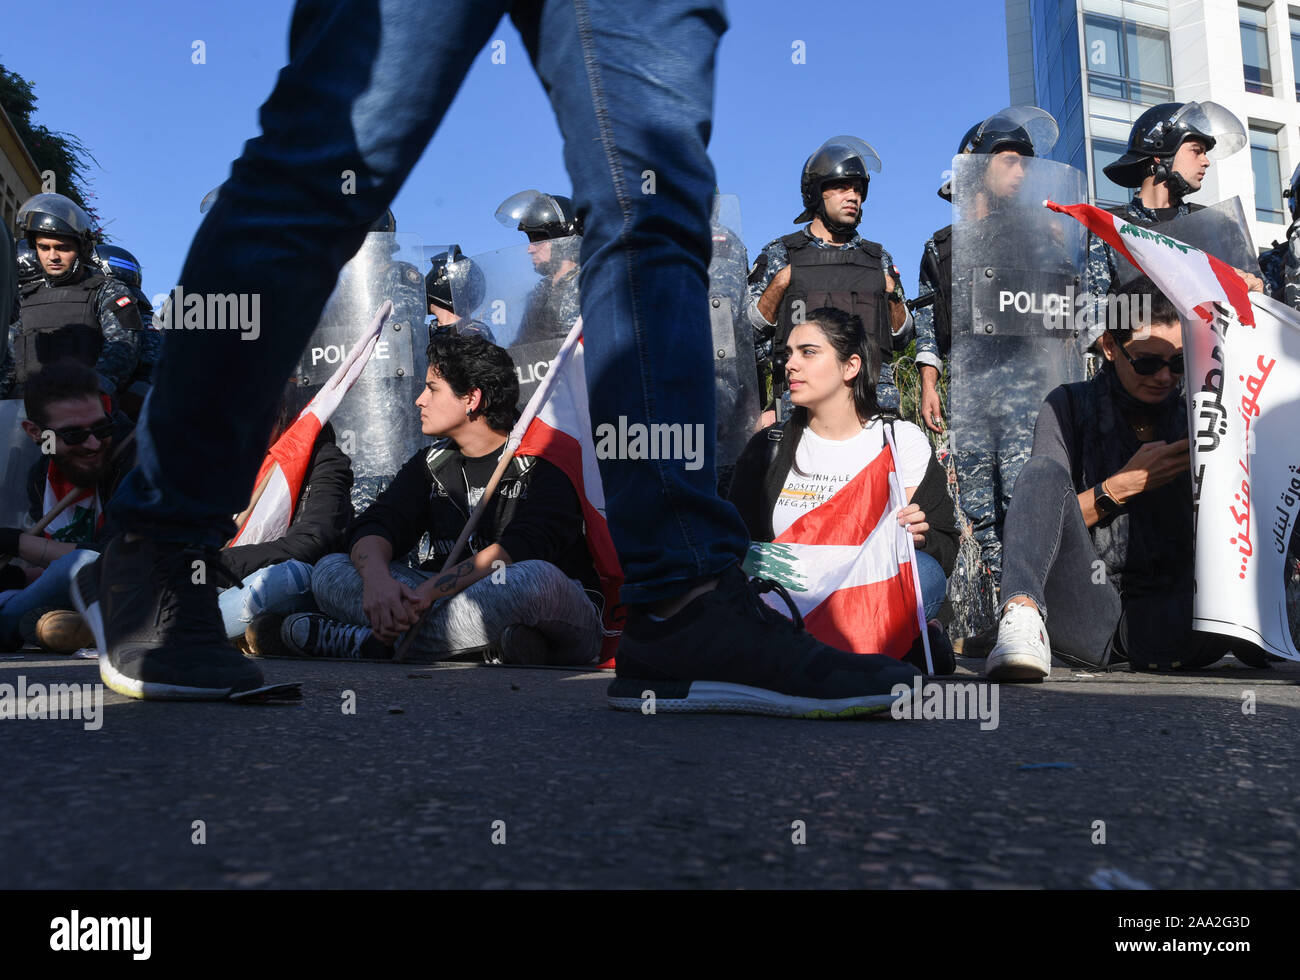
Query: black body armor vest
point(58, 321)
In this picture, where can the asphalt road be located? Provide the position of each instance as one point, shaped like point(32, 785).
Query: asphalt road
point(406, 792)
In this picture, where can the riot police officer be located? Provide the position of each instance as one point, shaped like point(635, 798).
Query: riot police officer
point(455, 280)
point(72, 309)
point(827, 263)
point(1280, 265)
point(554, 233)
point(1171, 146)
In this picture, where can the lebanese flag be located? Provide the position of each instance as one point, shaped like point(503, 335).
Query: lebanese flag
point(850, 566)
point(1193, 280)
point(285, 466)
point(557, 427)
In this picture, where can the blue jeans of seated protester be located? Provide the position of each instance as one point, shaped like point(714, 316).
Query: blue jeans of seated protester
point(283, 588)
point(631, 84)
point(934, 584)
point(49, 590)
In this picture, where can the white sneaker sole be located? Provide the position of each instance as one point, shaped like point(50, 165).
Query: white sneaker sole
point(1017, 667)
point(721, 697)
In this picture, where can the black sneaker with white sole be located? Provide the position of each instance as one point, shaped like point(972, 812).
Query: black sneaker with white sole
point(728, 651)
point(152, 606)
point(316, 635)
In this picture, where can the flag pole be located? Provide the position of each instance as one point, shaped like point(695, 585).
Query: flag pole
point(516, 436)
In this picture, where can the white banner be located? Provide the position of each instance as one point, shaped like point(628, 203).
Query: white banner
point(1243, 383)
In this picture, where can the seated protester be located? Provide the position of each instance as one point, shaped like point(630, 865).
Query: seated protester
point(521, 595)
point(1108, 481)
point(275, 574)
point(835, 431)
point(63, 400)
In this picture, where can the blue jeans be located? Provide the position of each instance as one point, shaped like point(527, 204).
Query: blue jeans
point(631, 84)
point(934, 584)
point(49, 590)
point(281, 588)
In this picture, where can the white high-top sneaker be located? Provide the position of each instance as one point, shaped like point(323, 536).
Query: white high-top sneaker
point(1023, 652)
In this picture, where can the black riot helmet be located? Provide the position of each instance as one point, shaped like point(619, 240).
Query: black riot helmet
point(29, 266)
point(1027, 129)
point(385, 224)
point(1292, 194)
point(540, 216)
point(839, 157)
point(454, 274)
point(120, 264)
point(54, 214)
point(1162, 129)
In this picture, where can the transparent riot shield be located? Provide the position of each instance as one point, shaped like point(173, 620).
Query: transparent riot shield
point(377, 423)
point(734, 366)
point(17, 454)
point(529, 302)
point(1220, 230)
point(1016, 276)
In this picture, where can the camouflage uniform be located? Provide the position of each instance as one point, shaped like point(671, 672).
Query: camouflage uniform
point(923, 311)
point(553, 308)
point(771, 261)
point(1280, 266)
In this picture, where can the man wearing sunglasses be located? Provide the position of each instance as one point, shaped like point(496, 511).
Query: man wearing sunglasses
point(1099, 535)
point(67, 419)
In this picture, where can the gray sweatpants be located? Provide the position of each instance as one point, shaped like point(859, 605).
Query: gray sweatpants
point(534, 593)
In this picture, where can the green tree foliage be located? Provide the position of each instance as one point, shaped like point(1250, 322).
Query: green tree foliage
point(61, 153)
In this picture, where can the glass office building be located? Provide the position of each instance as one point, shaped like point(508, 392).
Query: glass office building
point(1097, 65)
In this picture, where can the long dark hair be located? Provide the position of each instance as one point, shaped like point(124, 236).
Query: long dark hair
point(847, 336)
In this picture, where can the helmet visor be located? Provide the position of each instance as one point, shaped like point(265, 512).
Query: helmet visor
point(1215, 121)
point(55, 214)
point(838, 150)
point(1037, 123)
point(529, 209)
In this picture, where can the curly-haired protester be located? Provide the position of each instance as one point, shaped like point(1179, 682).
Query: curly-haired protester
point(521, 596)
point(1099, 535)
point(61, 401)
point(835, 432)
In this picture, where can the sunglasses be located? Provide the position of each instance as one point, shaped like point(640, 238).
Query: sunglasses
point(76, 435)
point(1148, 364)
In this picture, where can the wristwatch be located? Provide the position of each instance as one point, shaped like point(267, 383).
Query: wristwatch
point(1107, 506)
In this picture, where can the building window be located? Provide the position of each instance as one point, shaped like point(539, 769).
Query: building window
point(1295, 51)
point(1267, 164)
point(1104, 190)
point(1254, 50)
point(1127, 61)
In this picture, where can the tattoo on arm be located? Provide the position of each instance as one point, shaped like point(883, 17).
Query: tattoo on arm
point(448, 581)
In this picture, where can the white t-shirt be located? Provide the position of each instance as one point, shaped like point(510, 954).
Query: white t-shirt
point(825, 465)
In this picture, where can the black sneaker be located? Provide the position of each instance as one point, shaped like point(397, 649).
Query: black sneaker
point(728, 651)
point(159, 633)
point(941, 653)
point(316, 635)
point(980, 645)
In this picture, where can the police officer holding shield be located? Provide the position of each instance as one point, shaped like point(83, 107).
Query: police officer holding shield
point(1013, 270)
point(554, 233)
point(1280, 265)
point(455, 287)
point(827, 263)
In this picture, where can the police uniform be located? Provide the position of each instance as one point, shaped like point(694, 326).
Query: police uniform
point(1280, 267)
point(88, 317)
point(816, 262)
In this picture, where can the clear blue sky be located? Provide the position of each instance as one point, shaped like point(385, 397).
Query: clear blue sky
point(909, 78)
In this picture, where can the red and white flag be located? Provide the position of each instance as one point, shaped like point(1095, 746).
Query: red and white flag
point(287, 460)
point(1192, 280)
point(556, 425)
point(850, 567)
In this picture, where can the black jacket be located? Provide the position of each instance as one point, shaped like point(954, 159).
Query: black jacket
point(108, 483)
point(764, 465)
point(323, 512)
point(534, 513)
